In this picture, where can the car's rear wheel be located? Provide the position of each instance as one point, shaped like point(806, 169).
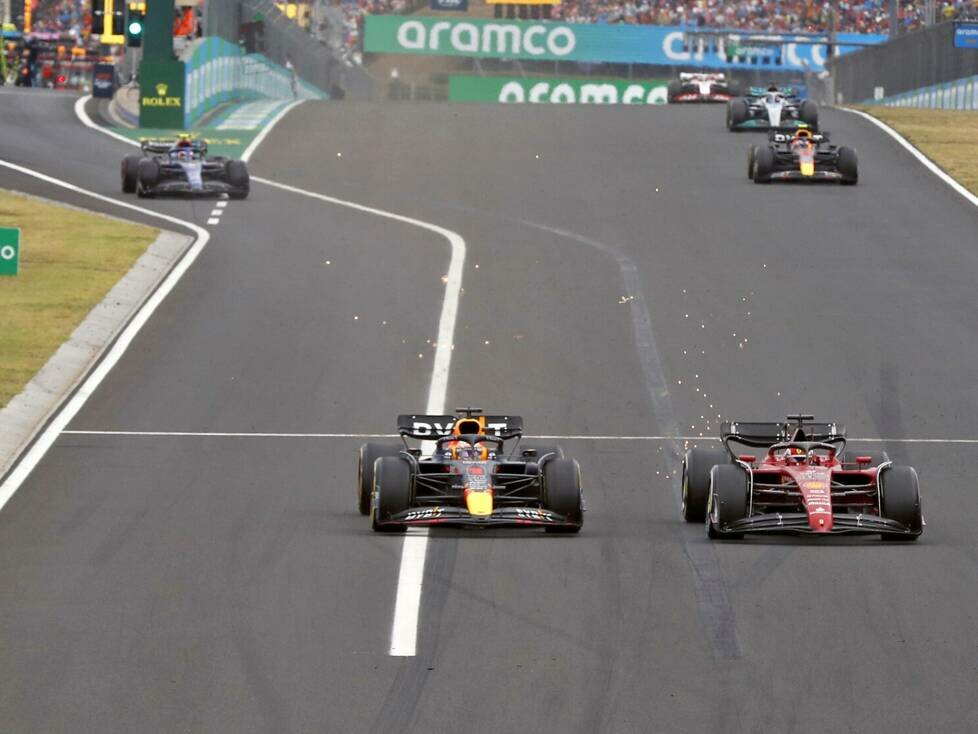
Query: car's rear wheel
point(238, 178)
point(697, 465)
point(392, 480)
point(763, 165)
point(729, 500)
point(808, 113)
point(562, 493)
point(848, 165)
point(737, 112)
point(900, 500)
point(673, 90)
point(130, 173)
point(366, 457)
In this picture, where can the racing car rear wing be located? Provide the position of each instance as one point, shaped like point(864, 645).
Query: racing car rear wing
point(785, 134)
point(767, 434)
point(436, 426)
point(150, 145)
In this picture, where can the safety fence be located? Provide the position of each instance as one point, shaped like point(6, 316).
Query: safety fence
point(218, 72)
point(913, 63)
point(961, 94)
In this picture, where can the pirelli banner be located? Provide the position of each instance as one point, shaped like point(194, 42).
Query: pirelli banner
point(516, 90)
point(556, 41)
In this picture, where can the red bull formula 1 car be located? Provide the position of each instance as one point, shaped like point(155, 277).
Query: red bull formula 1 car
point(802, 155)
point(463, 474)
point(701, 87)
point(804, 482)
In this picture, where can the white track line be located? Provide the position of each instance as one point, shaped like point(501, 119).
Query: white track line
point(68, 411)
point(249, 151)
point(242, 434)
point(927, 162)
point(404, 630)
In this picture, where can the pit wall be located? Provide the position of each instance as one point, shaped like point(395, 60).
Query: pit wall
point(961, 94)
point(219, 72)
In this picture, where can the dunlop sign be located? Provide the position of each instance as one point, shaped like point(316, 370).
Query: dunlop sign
point(9, 250)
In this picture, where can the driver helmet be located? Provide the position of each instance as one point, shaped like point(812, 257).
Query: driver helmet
point(772, 87)
point(794, 455)
point(802, 135)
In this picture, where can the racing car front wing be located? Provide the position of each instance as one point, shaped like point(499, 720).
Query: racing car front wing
point(797, 522)
point(797, 175)
point(177, 187)
point(501, 517)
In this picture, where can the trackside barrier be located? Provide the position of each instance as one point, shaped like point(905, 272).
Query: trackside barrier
point(961, 94)
point(219, 72)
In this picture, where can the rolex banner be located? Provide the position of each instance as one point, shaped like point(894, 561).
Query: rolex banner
point(161, 97)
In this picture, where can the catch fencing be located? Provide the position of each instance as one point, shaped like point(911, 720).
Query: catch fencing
point(921, 60)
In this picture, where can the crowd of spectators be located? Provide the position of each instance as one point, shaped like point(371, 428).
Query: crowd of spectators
point(65, 17)
point(811, 16)
point(787, 16)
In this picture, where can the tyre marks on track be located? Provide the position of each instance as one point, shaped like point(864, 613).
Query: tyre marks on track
point(712, 599)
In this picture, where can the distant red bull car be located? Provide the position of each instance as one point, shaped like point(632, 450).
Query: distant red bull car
point(702, 87)
point(805, 482)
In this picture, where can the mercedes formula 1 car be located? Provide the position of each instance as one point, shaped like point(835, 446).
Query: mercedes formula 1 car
point(774, 107)
point(805, 482)
point(469, 477)
point(702, 87)
point(182, 167)
point(801, 155)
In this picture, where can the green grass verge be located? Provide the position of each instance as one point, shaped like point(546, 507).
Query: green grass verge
point(947, 137)
point(69, 260)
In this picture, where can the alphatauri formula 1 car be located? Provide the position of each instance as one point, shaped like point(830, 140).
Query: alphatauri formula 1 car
point(805, 482)
point(701, 87)
point(182, 167)
point(802, 155)
point(775, 107)
point(464, 475)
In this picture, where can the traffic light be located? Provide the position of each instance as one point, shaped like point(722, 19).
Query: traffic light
point(108, 20)
point(134, 24)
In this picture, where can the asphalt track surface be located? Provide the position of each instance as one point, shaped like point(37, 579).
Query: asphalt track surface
point(228, 584)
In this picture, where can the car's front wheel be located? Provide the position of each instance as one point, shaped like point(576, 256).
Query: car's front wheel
point(562, 493)
point(900, 500)
point(392, 493)
point(729, 500)
point(366, 458)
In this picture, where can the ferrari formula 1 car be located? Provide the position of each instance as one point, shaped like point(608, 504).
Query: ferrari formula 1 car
point(805, 482)
point(802, 155)
point(468, 478)
point(182, 167)
point(702, 87)
point(774, 107)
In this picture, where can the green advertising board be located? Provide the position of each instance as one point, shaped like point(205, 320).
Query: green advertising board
point(556, 90)
point(161, 94)
point(9, 250)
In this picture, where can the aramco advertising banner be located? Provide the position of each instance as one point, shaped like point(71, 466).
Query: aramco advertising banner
point(555, 91)
point(552, 41)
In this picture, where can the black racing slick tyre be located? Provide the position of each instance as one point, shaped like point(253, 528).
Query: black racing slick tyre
point(808, 113)
point(697, 465)
point(130, 173)
point(848, 165)
point(392, 487)
point(673, 90)
point(751, 154)
point(147, 176)
point(737, 112)
point(238, 178)
point(366, 457)
point(729, 500)
point(562, 493)
point(763, 165)
point(900, 501)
